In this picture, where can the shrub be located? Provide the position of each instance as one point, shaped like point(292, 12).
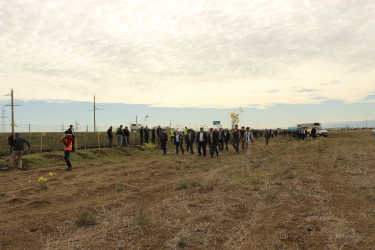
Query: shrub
point(149, 147)
point(85, 218)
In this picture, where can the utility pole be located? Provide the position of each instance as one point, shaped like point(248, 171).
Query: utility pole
point(12, 105)
point(95, 109)
point(136, 120)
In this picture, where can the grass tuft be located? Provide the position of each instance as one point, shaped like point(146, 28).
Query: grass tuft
point(85, 218)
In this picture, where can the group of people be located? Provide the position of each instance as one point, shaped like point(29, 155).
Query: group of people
point(302, 133)
point(123, 135)
point(216, 139)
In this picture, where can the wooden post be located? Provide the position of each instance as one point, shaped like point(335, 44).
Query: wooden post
point(41, 142)
point(87, 135)
point(84, 136)
point(98, 141)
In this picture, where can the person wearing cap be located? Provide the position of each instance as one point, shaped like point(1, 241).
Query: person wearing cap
point(17, 151)
point(248, 137)
point(68, 145)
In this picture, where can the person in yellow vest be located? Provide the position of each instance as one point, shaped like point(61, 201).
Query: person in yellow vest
point(185, 131)
point(67, 139)
point(172, 134)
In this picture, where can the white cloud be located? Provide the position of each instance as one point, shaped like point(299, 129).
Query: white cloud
point(198, 53)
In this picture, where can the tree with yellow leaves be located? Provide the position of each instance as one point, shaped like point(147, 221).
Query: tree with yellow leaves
point(235, 116)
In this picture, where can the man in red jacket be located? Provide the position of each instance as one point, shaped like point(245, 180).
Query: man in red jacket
point(67, 139)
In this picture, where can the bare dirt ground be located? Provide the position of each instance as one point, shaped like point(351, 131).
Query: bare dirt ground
point(289, 194)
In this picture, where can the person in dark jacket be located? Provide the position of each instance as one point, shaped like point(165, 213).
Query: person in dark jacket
point(226, 137)
point(163, 140)
point(221, 139)
point(153, 136)
point(178, 142)
point(242, 132)
point(141, 133)
point(120, 136)
point(201, 141)
point(236, 138)
point(189, 139)
point(313, 133)
point(213, 140)
point(110, 137)
point(126, 136)
point(10, 143)
point(147, 132)
point(158, 132)
point(17, 151)
point(266, 136)
point(73, 133)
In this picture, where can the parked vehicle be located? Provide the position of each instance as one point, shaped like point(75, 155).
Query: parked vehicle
point(135, 127)
point(320, 131)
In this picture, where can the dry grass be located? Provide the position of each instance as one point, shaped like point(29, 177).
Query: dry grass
point(290, 194)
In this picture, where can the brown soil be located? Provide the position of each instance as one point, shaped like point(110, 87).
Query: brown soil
point(290, 194)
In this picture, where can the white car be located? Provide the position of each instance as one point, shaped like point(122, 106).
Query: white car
point(320, 131)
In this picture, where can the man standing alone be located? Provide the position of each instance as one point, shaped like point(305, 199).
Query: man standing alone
point(17, 151)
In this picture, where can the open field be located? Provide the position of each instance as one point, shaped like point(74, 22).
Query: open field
point(289, 194)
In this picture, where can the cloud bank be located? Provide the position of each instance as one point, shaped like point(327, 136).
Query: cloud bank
point(196, 53)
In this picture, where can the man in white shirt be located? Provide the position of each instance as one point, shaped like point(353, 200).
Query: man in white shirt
point(248, 137)
point(201, 141)
point(178, 142)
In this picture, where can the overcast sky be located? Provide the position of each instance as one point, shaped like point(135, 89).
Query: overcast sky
point(196, 53)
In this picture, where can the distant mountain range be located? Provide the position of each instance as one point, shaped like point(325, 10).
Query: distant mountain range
point(350, 124)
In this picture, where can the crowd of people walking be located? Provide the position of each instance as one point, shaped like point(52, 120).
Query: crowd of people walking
point(217, 140)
